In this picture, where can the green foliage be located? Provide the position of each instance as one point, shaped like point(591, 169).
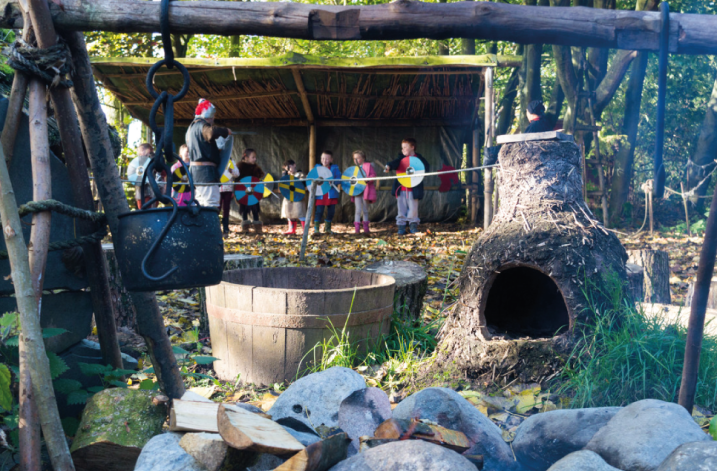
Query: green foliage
point(57, 365)
point(626, 356)
point(5, 393)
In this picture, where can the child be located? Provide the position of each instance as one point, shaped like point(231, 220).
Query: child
point(225, 195)
point(293, 211)
point(407, 198)
point(249, 168)
point(182, 198)
point(369, 193)
point(330, 199)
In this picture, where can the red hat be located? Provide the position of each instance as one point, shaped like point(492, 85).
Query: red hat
point(205, 109)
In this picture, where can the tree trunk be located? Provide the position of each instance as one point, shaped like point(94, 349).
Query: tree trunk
point(411, 285)
point(507, 103)
point(706, 147)
point(530, 83)
point(625, 157)
point(657, 273)
point(555, 107)
point(115, 444)
point(96, 137)
point(443, 47)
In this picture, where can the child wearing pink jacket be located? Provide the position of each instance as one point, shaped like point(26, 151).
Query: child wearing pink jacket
point(368, 195)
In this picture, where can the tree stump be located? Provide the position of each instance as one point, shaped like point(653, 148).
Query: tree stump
point(711, 298)
point(125, 314)
point(411, 285)
point(115, 425)
point(635, 282)
point(656, 265)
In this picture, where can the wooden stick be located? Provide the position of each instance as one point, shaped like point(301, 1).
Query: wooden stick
point(31, 334)
point(95, 262)
point(687, 213)
point(319, 456)
point(309, 216)
point(487, 144)
point(14, 113)
point(93, 125)
point(649, 208)
point(568, 26)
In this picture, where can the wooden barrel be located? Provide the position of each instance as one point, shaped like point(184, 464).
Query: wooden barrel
point(265, 322)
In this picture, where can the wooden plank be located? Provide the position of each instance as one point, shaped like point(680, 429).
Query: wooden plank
point(535, 136)
point(193, 416)
point(245, 430)
point(281, 122)
point(568, 26)
point(319, 456)
point(299, 82)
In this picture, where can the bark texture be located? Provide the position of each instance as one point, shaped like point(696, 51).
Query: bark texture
point(656, 265)
point(543, 227)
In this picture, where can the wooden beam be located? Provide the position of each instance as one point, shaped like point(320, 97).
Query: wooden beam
point(568, 26)
point(214, 98)
point(302, 92)
point(388, 122)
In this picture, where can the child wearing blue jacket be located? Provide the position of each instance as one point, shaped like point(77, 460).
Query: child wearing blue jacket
point(328, 201)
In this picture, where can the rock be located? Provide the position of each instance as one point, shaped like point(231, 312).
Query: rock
point(319, 395)
point(248, 407)
point(583, 460)
point(305, 438)
point(694, 456)
point(164, 453)
point(643, 434)
point(214, 454)
point(361, 413)
point(406, 455)
point(266, 462)
point(448, 409)
point(543, 439)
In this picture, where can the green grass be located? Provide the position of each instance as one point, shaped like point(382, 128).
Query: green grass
point(625, 357)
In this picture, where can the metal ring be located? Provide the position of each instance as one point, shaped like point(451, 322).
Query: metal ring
point(153, 112)
point(153, 70)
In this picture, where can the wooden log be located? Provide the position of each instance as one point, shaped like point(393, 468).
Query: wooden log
point(568, 26)
point(656, 264)
point(411, 285)
point(124, 312)
point(245, 430)
point(403, 429)
point(194, 413)
point(93, 124)
point(115, 425)
point(635, 281)
point(319, 456)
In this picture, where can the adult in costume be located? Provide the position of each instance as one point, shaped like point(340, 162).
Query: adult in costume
point(205, 142)
point(536, 115)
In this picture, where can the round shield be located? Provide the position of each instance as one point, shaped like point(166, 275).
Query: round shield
point(410, 172)
point(351, 180)
point(292, 190)
point(268, 185)
point(180, 182)
point(320, 172)
point(249, 191)
point(227, 175)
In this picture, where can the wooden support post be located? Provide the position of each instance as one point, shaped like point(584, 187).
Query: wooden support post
point(14, 113)
point(687, 211)
point(93, 124)
point(95, 262)
point(496, 192)
point(474, 177)
point(649, 209)
point(309, 217)
point(309, 116)
point(487, 144)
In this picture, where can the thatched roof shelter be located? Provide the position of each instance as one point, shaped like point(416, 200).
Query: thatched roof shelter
point(288, 107)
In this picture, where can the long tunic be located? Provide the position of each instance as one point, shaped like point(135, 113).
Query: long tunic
point(201, 143)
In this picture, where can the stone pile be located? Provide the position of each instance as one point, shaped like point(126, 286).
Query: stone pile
point(648, 435)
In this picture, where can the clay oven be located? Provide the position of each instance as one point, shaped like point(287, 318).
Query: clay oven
point(525, 276)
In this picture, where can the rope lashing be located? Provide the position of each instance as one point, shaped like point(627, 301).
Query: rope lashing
point(49, 65)
point(62, 208)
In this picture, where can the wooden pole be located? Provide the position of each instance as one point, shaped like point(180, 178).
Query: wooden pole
point(567, 26)
point(309, 216)
point(33, 347)
point(312, 147)
point(649, 208)
point(93, 125)
point(95, 263)
point(695, 328)
point(488, 144)
point(475, 176)
point(687, 211)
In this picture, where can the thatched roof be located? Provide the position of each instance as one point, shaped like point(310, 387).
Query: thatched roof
point(433, 90)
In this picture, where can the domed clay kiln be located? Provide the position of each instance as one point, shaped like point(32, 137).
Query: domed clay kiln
point(524, 277)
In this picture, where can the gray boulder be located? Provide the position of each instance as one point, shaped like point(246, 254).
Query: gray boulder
point(583, 460)
point(315, 399)
point(267, 463)
point(163, 453)
point(361, 413)
point(449, 409)
point(695, 456)
point(543, 439)
point(214, 454)
point(407, 455)
point(643, 434)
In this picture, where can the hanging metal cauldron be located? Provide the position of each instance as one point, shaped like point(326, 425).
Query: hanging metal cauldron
point(172, 247)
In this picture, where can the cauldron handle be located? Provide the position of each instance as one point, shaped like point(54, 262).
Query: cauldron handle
point(156, 243)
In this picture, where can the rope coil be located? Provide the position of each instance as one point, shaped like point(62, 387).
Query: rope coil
point(49, 65)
